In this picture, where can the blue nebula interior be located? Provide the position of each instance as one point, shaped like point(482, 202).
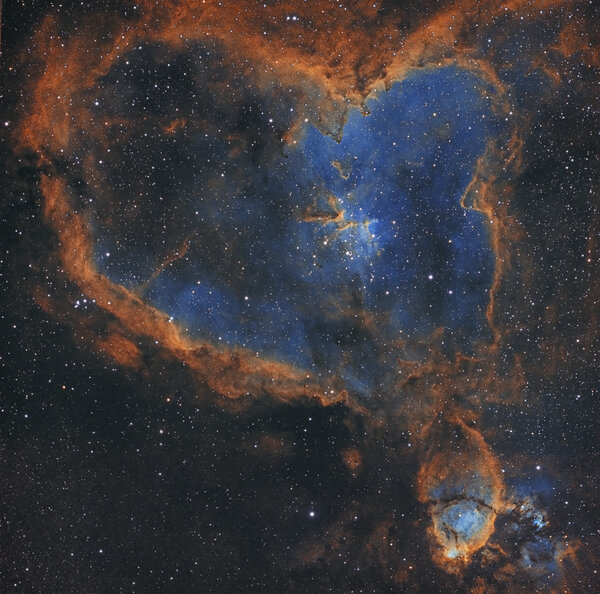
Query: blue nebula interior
point(536, 484)
point(540, 555)
point(464, 520)
point(274, 266)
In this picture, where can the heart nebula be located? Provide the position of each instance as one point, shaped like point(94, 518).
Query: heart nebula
point(337, 256)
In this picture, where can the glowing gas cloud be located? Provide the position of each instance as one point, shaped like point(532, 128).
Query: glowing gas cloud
point(337, 205)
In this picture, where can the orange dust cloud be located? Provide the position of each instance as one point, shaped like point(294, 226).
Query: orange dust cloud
point(352, 459)
point(122, 350)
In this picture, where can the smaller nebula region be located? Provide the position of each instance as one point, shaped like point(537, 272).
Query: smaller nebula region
point(300, 296)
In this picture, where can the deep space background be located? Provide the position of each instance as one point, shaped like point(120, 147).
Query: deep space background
point(300, 296)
